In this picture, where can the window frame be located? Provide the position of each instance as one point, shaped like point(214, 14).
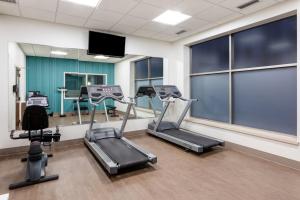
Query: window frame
point(278, 136)
point(86, 80)
point(146, 79)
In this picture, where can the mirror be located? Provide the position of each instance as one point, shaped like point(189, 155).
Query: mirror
point(61, 75)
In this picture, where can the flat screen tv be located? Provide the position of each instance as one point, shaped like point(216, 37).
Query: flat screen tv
point(106, 44)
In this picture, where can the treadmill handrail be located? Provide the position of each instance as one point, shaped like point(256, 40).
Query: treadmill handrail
point(100, 100)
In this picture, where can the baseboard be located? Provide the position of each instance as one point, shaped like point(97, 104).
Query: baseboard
point(263, 155)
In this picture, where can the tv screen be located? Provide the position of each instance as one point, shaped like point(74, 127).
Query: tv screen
point(106, 44)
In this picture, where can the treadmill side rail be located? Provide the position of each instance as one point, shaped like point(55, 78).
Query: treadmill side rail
point(106, 161)
point(180, 142)
point(151, 157)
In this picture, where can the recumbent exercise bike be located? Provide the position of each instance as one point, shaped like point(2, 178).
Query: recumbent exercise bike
point(35, 119)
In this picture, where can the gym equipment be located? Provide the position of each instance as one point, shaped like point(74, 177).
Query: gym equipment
point(141, 92)
point(35, 119)
point(108, 145)
point(62, 91)
point(35, 98)
point(83, 97)
point(171, 131)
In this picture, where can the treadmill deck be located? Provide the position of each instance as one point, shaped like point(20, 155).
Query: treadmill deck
point(122, 153)
point(205, 142)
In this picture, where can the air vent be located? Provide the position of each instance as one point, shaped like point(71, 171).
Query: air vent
point(9, 1)
point(245, 5)
point(180, 32)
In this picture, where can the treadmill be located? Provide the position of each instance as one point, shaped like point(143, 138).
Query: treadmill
point(83, 96)
point(108, 145)
point(171, 131)
point(142, 92)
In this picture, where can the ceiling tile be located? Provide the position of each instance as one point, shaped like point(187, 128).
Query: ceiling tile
point(146, 11)
point(41, 50)
point(215, 1)
point(122, 6)
point(70, 20)
point(193, 23)
point(133, 21)
point(123, 29)
point(98, 24)
point(74, 9)
point(9, 9)
point(38, 14)
point(155, 27)
point(104, 15)
point(214, 13)
point(49, 5)
point(233, 4)
point(163, 3)
point(144, 33)
point(27, 49)
point(192, 7)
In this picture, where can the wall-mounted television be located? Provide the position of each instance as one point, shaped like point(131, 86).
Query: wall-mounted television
point(106, 44)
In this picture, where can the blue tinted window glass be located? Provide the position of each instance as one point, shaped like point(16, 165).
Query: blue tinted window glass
point(269, 44)
point(158, 105)
point(142, 102)
point(266, 99)
point(156, 67)
point(211, 56)
point(212, 93)
point(141, 69)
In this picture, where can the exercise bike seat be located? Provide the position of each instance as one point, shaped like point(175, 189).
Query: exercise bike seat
point(35, 152)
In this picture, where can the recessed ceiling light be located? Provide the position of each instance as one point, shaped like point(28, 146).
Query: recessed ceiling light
point(90, 3)
point(101, 57)
point(61, 53)
point(171, 17)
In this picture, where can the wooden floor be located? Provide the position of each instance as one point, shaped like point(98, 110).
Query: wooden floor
point(217, 175)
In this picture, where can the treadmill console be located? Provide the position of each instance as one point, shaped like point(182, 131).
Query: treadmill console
point(37, 101)
point(145, 91)
point(105, 91)
point(165, 91)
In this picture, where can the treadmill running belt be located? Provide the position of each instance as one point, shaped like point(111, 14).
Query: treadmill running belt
point(196, 139)
point(122, 153)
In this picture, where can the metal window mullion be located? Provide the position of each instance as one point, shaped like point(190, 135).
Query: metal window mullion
point(230, 79)
point(264, 67)
point(208, 73)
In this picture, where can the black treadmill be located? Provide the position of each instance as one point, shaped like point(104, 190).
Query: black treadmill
point(171, 131)
point(114, 151)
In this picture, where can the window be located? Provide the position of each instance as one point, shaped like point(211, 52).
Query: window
point(149, 71)
point(248, 78)
point(74, 81)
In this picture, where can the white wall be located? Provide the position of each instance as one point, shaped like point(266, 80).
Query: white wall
point(15, 29)
point(180, 76)
point(16, 59)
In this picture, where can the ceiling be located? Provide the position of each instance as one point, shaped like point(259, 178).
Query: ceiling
point(134, 17)
point(80, 54)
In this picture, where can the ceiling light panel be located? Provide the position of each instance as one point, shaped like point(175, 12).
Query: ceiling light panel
point(101, 57)
point(171, 17)
point(90, 3)
point(60, 53)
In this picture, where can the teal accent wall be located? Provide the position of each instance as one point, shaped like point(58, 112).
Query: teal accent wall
point(47, 74)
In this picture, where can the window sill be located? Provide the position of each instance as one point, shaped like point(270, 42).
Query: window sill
point(276, 136)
